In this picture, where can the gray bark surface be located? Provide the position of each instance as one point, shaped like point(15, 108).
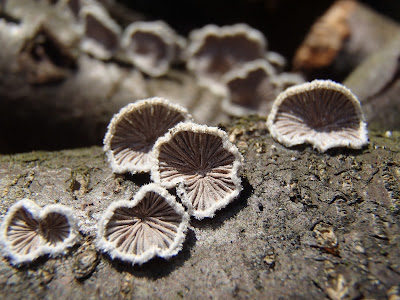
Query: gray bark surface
point(306, 226)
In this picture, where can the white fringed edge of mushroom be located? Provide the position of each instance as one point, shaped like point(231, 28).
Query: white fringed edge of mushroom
point(241, 73)
point(315, 141)
point(105, 246)
point(179, 184)
point(163, 31)
point(38, 213)
point(131, 168)
point(196, 41)
point(88, 44)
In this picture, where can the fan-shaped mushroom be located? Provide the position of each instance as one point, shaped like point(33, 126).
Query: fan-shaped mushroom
point(213, 51)
point(133, 131)
point(101, 32)
point(152, 46)
point(322, 113)
point(250, 89)
point(152, 224)
point(203, 163)
point(28, 231)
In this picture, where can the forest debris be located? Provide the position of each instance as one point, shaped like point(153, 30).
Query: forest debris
point(343, 37)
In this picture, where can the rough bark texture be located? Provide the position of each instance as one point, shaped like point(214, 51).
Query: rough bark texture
point(306, 226)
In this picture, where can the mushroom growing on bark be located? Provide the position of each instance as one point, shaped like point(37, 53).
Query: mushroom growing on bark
point(152, 224)
point(322, 113)
point(101, 32)
point(250, 89)
point(213, 51)
point(29, 231)
point(152, 46)
point(133, 131)
point(204, 165)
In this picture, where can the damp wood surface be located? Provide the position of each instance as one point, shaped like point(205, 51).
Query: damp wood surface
point(307, 225)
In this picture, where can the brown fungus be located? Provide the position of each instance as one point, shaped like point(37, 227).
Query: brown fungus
point(152, 46)
point(101, 33)
point(152, 224)
point(213, 51)
point(133, 131)
point(29, 231)
point(250, 89)
point(204, 165)
point(322, 113)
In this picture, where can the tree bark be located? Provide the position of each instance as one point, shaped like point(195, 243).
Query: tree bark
point(307, 225)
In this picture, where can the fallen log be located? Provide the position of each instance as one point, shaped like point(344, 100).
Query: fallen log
point(307, 225)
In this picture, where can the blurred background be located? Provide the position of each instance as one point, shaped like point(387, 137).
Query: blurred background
point(54, 96)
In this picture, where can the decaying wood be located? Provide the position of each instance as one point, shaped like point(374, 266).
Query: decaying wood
point(307, 225)
point(342, 38)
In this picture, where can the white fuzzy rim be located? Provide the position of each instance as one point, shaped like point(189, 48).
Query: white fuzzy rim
point(197, 39)
point(104, 245)
point(241, 73)
point(162, 31)
point(38, 214)
point(179, 182)
point(277, 60)
point(285, 80)
point(315, 140)
point(100, 14)
point(198, 36)
point(129, 109)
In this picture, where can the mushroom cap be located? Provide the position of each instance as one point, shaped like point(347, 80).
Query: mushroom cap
point(101, 32)
point(133, 131)
point(213, 51)
point(277, 60)
point(28, 231)
point(152, 224)
point(322, 113)
point(285, 80)
point(204, 165)
point(151, 46)
point(250, 89)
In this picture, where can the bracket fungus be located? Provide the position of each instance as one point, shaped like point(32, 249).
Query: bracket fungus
point(101, 33)
point(250, 89)
point(133, 131)
point(213, 51)
point(152, 224)
point(204, 165)
point(322, 113)
point(29, 231)
point(151, 46)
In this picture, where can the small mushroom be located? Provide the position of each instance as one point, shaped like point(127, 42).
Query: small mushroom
point(213, 51)
point(285, 80)
point(322, 113)
point(101, 32)
point(152, 46)
point(133, 131)
point(276, 60)
point(203, 163)
point(74, 6)
point(28, 231)
point(152, 224)
point(250, 89)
